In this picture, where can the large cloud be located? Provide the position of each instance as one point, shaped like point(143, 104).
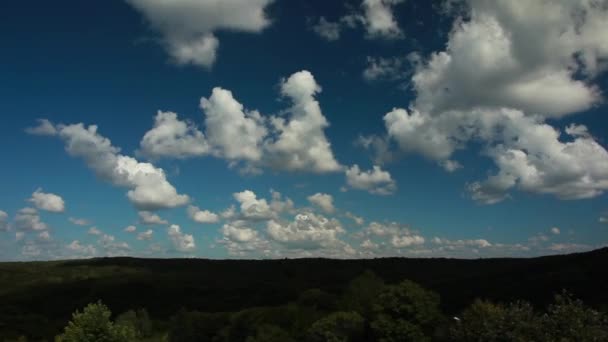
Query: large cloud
point(188, 26)
point(47, 201)
point(233, 132)
point(507, 68)
point(148, 186)
point(301, 143)
point(292, 141)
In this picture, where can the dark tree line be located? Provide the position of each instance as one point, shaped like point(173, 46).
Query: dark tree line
point(369, 310)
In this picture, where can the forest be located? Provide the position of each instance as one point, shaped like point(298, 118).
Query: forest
point(552, 298)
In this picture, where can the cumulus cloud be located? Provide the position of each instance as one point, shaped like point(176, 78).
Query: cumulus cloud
point(294, 140)
point(79, 221)
point(171, 137)
point(252, 208)
point(301, 144)
point(330, 31)
point(94, 231)
point(555, 231)
point(148, 186)
point(130, 229)
point(507, 68)
point(47, 201)
point(239, 233)
point(182, 242)
point(395, 234)
point(323, 201)
point(148, 217)
point(233, 132)
point(477, 243)
point(28, 219)
point(3, 221)
point(375, 181)
point(81, 250)
point(187, 27)
point(147, 235)
point(379, 19)
point(202, 216)
point(306, 231)
point(375, 16)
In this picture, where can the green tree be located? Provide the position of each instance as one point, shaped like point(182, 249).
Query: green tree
point(138, 320)
point(569, 319)
point(93, 324)
point(338, 327)
point(486, 321)
point(362, 292)
point(405, 312)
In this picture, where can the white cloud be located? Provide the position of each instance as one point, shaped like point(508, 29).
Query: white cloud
point(202, 216)
point(130, 229)
point(506, 69)
point(3, 221)
point(148, 186)
point(477, 243)
point(147, 235)
point(187, 27)
point(28, 219)
point(327, 30)
point(80, 249)
point(279, 205)
point(79, 221)
point(182, 242)
point(555, 231)
point(375, 181)
point(358, 219)
point(238, 233)
point(395, 234)
point(406, 240)
point(301, 144)
point(533, 158)
point(47, 201)
point(173, 138)
point(376, 17)
point(233, 132)
point(379, 19)
point(306, 231)
point(323, 201)
point(369, 244)
point(45, 127)
point(147, 217)
point(44, 235)
point(94, 231)
point(252, 208)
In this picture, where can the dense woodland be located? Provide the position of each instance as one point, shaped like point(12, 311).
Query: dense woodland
point(555, 298)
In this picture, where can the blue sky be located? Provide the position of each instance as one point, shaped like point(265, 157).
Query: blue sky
point(265, 129)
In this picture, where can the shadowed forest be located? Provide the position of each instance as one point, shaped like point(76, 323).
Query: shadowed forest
point(553, 298)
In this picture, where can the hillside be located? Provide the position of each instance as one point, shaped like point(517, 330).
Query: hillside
point(44, 294)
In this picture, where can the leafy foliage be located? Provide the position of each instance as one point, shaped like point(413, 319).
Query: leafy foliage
point(338, 327)
point(93, 324)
